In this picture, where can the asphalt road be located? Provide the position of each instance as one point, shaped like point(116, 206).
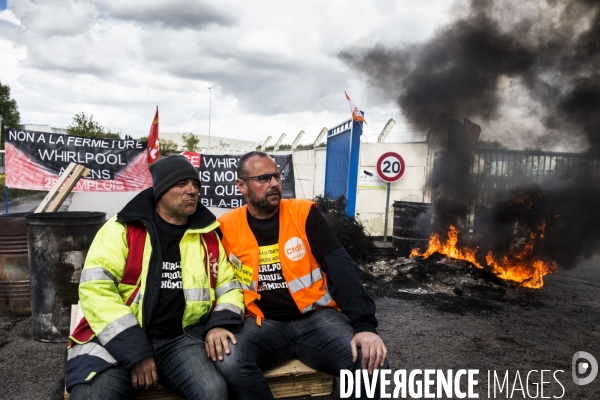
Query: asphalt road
point(30, 203)
point(540, 331)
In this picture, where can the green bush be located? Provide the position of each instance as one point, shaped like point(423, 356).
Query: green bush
point(304, 147)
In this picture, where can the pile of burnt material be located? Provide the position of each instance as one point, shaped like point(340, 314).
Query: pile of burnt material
point(348, 230)
point(435, 275)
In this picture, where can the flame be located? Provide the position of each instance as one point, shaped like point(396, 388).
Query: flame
point(516, 266)
point(449, 248)
point(526, 200)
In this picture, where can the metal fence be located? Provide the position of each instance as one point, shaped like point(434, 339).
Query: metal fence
point(494, 172)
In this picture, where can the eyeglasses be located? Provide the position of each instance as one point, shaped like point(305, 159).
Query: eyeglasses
point(265, 178)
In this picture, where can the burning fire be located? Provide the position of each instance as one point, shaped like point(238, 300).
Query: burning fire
point(516, 266)
point(449, 248)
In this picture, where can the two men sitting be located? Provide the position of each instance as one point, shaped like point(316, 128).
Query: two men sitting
point(173, 310)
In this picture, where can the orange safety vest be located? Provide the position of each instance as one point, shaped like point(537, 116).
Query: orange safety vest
point(306, 281)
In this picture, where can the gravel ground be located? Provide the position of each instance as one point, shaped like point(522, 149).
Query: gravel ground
point(532, 330)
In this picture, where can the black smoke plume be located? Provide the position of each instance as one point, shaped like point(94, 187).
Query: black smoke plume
point(552, 54)
point(564, 212)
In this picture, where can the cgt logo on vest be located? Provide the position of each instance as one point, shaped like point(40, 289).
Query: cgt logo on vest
point(295, 249)
point(214, 265)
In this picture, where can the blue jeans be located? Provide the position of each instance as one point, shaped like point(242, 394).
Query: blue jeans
point(182, 366)
point(320, 339)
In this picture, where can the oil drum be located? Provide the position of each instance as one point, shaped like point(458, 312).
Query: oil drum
point(14, 272)
point(411, 227)
point(58, 243)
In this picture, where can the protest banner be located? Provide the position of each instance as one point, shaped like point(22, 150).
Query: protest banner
point(35, 160)
point(218, 175)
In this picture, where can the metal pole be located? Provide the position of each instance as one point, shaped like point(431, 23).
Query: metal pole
point(209, 107)
point(387, 206)
point(2, 135)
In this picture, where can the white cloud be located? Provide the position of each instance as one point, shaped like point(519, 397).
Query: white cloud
point(9, 16)
point(266, 44)
point(275, 63)
point(57, 18)
point(174, 14)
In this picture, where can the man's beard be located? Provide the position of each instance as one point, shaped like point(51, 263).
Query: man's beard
point(262, 205)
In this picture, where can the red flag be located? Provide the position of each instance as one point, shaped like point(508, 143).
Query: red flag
point(356, 115)
point(153, 150)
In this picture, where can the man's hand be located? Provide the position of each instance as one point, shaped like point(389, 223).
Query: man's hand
point(373, 350)
point(144, 375)
point(216, 341)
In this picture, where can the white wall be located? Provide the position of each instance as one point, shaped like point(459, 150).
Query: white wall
point(111, 203)
point(319, 184)
point(309, 172)
point(218, 144)
point(370, 203)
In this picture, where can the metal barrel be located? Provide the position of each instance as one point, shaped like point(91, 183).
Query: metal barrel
point(14, 273)
point(58, 243)
point(411, 227)
point(483, 220)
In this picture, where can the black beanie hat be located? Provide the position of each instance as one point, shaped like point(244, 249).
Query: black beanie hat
point(167, 171)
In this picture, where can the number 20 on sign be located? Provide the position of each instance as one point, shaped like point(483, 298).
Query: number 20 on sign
point(390, 167)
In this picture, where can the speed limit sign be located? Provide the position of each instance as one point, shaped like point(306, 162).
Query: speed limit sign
point(390, 167)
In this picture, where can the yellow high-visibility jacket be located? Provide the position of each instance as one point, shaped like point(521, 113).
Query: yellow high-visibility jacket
point(116, 330)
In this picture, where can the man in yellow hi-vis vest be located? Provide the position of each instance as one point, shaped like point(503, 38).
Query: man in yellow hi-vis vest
point(302, 292)
point(158, 295)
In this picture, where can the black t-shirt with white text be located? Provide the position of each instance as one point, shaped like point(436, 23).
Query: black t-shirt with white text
point(167, 320)
point(276, 302)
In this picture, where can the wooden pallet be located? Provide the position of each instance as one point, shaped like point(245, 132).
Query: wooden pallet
point(61, 189)
point(291, 379)
point(294, 378)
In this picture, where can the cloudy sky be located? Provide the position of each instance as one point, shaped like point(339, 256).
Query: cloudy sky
point(273, 66)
